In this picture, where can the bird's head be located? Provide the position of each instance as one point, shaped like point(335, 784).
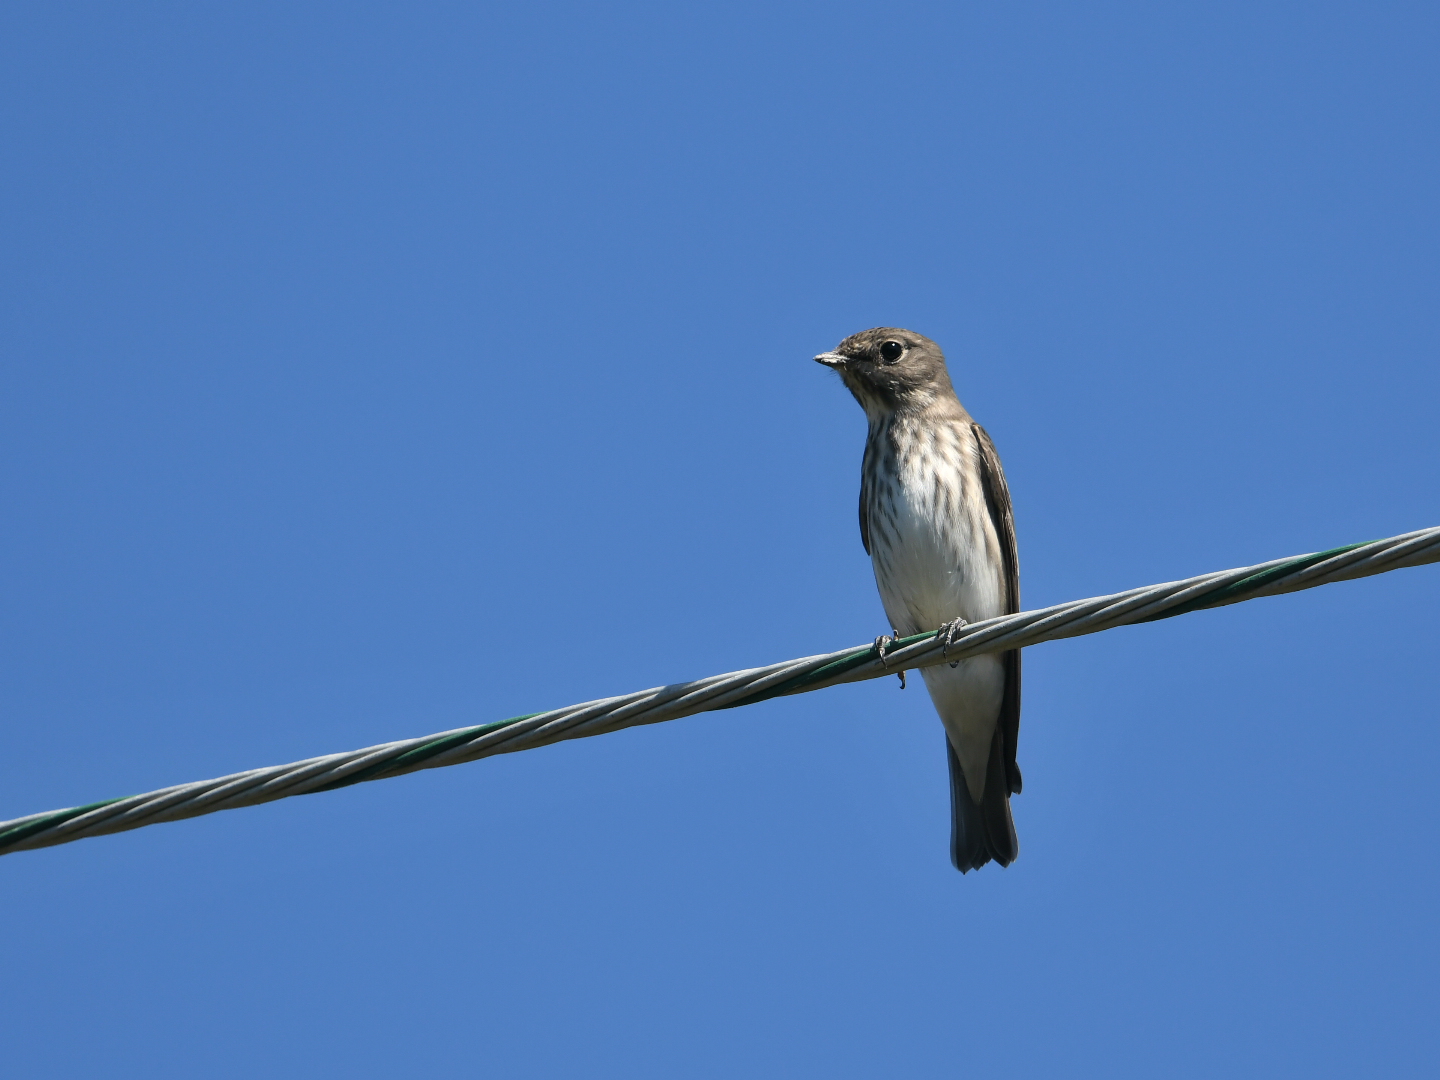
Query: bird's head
point(888, 369)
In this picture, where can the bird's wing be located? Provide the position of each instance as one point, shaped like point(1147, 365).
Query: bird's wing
point(864, 520)
point(997, 500)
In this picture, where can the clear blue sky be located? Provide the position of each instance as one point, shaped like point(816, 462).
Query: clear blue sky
point(369, 371)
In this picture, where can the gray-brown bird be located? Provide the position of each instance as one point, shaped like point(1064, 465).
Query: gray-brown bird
point(935, 519)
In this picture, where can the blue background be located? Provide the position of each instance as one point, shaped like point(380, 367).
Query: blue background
point(374, 371)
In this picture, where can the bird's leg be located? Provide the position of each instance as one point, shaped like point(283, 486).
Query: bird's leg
point(947, 633)
point(882, 644)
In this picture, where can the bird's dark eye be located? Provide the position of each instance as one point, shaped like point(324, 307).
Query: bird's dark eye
point(891, 351)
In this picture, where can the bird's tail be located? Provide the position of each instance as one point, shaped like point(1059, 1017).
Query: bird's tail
point(984, 830)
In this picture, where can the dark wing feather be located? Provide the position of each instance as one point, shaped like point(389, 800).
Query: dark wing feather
point(997, 499)
point(864, 519)
point(871, 466)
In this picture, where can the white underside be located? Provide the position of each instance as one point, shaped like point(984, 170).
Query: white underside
point(938, 571)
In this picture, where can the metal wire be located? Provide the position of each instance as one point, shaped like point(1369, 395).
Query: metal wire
point(717, 692)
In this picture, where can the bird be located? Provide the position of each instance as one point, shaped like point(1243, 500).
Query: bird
point(936, 521)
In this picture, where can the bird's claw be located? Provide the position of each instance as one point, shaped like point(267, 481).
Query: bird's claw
point(882, 644)
point(947, 634)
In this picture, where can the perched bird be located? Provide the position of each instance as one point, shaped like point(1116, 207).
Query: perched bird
point(936, 522)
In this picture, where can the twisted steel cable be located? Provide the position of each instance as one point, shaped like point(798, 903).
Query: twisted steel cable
point(727, 691)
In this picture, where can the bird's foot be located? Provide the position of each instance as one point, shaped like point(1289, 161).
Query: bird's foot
point(947, 634)
point(882, 645)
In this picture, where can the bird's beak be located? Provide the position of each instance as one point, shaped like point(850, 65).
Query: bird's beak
point(832, 360)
